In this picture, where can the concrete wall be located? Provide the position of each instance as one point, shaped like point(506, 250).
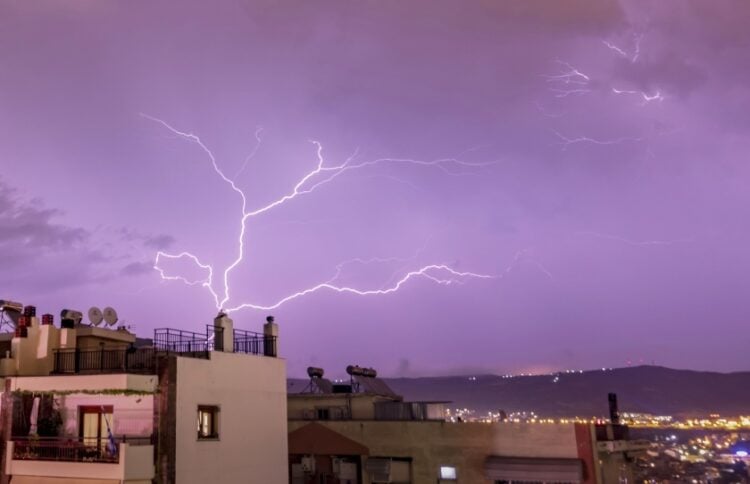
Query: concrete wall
point(136, 465)
point(252, 445)
point(132, 414)
point(464, 446)
point(361, 406)
point(34, 354)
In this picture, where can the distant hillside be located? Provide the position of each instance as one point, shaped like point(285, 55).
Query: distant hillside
point(651, 389)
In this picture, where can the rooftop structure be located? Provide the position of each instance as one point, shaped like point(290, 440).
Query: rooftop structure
point(84, 402)
point(361, 432)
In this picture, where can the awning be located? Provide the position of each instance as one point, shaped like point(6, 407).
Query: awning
point(533, 469)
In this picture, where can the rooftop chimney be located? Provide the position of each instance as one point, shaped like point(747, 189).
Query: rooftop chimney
point(223, 333)
point(270, 337)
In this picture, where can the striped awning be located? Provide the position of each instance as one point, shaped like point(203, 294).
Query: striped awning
point(533, 469)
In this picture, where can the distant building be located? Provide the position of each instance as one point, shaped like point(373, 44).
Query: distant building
point(94, 405)
point(361, 432)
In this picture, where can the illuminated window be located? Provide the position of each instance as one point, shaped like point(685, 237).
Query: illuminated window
point(448, 473)
point(208, 422)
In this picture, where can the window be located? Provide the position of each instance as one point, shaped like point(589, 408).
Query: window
point(448, 473)
point(208, 422)
point(95, 425)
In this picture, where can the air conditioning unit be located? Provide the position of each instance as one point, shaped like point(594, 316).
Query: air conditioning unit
point(308, 464)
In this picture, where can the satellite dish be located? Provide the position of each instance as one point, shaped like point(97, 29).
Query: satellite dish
point(110, 316)
point(95, 316)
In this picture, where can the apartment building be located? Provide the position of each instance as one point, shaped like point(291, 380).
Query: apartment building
point(361, 432)
point(95, 405)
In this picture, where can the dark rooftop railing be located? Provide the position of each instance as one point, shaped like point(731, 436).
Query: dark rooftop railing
point(167, 341)
point(189, 342)
point(254, 343)
point(73, 449)
point(123, 360)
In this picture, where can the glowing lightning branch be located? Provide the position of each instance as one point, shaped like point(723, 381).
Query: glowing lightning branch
point(432, 272)
point(585, 139)
point(316, 178)
point(621, 52)
point(569, 76)
point(647, 98)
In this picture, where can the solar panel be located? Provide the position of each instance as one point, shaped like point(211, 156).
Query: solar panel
point(374, 385)
point(323, 384)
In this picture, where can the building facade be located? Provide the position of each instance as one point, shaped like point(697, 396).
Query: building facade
point(362, 433)
point(93, 405)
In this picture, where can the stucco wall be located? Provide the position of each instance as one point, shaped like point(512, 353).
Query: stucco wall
point(461, 445)
point(135, 466)
point(132, 414)
point(252, 444)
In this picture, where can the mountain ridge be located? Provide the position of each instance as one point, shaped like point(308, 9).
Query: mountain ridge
point(650, 389)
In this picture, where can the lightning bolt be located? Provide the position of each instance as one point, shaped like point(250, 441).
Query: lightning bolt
point(647, 98)
point(311, 181)
point(565, 141)
point(570, 75)
point(637, 38)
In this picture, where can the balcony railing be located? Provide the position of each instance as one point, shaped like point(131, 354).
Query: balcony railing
point(73, 449)
point(127, 360)
point(166, 341)
point(254, 343)
point(189, 342)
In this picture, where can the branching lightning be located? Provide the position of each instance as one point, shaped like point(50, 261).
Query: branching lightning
point(570, 76)
point(311, 181)
point(621, 52)
point(565, 141)
point(647, 98)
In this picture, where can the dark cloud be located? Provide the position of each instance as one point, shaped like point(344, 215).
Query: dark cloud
point(157, 242)
point(26, 226)
point(137, 268)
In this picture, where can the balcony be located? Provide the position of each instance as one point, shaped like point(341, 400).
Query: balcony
point(127, 459)
point(167, 341)
point(130, 360)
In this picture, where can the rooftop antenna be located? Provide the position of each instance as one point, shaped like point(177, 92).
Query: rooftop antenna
point(95, 316)
point(110, 316)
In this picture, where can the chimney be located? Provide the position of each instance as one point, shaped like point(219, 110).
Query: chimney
point(223, 333)
point(270, 337)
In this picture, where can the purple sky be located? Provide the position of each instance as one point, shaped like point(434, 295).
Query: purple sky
point(609, 198)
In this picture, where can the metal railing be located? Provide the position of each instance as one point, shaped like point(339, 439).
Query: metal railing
point(254, 343)
point(73, 449)
point(190, 342)
point(127, 360)
point(166, 341)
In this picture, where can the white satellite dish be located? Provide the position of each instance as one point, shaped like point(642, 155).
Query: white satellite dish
point(110, 316)
point(95, 316)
